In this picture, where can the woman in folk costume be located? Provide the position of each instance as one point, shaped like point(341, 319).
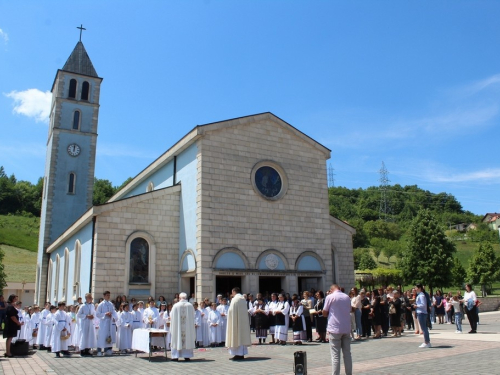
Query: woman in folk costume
point(124, 343)
point(281, 314)
point(35, 324)
point(214, 324)
point(60, 331)
point(205, 329)
point(223, 309)
point(42, 327)
point(197, 325)
point(272, 319)
point(261, 311)
point(49, 322)
point(298, 321)
point(86, 329)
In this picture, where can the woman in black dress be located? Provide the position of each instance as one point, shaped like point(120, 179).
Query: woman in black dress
point(365, 315)
point(377, 313)
point(12, 324)
point(395, 314)
point(321, 321)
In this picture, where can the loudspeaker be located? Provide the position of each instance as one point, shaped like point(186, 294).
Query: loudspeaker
point(300, 363)
point(19, 348)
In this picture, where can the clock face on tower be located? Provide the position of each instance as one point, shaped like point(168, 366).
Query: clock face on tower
point(74, 149)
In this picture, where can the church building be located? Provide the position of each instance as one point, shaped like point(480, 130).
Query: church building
point(240, 202)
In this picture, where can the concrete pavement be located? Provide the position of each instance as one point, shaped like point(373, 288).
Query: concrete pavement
point(465, 353)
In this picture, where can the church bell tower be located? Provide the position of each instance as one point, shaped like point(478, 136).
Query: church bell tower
point(71, 150)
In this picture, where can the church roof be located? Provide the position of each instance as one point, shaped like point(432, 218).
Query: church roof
point(79, 62)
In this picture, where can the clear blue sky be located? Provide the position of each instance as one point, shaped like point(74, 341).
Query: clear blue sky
point(415, 84)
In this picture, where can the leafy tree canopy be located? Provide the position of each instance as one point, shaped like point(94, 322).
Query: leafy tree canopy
point(484, 267)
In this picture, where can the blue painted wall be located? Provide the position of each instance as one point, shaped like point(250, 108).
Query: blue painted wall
point(162, 177)
point(84, 235)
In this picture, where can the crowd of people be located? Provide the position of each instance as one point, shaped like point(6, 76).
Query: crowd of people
point(86, 325)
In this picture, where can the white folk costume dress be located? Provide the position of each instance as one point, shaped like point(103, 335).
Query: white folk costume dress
point(182, 329)
point(107, 326)
point(281, 316)
point(205, 331)
point(60, 319)
point(238, 330)
point(223, 310)
point(260, 313)
point(299, 325)
point(215, 329)
point(86, 328)
point(42, 327)
point(125, 327)
point(272, 319)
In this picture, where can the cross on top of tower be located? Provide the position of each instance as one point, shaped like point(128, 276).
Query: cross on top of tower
point(81, 29)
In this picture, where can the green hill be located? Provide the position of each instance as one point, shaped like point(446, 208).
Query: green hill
point(19, 231)
point(20, 264)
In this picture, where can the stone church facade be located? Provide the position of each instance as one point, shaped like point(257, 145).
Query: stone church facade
point(242, 202)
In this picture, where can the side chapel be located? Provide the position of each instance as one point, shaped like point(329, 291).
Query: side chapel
point(241, 202)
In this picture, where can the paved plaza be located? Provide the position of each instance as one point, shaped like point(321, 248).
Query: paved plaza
point(466, 353)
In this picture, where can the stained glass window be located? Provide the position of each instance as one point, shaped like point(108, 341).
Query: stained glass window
point(268, 181)
point(139, 261)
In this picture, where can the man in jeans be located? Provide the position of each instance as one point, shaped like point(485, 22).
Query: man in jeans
point(337, 308)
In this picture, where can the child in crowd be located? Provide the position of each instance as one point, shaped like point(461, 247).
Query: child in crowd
point(458, 314)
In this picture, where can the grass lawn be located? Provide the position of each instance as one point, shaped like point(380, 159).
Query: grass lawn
point(19, 231)
point(20, 264)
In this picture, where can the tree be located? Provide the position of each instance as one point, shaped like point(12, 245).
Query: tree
point(428, 257)
point(377, 246)
point(391, 248)
point(103, 190)
point(3, 276)
point(458, 273)
point(382, 229)
point(367, 262)
point(484, 267)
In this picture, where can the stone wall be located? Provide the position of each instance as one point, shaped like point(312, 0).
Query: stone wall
point(489, 304)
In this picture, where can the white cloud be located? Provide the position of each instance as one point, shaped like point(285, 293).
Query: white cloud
point(4, 36)
point(484, 175)
point(32, 103)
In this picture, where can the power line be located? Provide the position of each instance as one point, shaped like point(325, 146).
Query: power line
point(384, 181)
point(331, 179)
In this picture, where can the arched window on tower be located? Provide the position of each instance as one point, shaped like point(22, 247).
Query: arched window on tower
point(139, 261)
point(72, 183)
point(72, 89)
point(85, 90)
point(76, 120)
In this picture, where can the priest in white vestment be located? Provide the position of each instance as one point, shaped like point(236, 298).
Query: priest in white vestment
point(238, 330)
point(182, 329)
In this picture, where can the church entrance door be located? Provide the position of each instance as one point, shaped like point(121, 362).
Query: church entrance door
point(268, 285)
point(225, 284)
point(308, 283)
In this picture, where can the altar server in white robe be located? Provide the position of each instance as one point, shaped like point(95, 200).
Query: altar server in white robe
point(35, 324)
point(137, 315)
point(238, 330)
point(107, 316)
point(281, 313)
point(42, 327)
point(223, 308)
point(49, 323)
point(164, 321)
point(182, 329)
point(87, 331)
point(73, 326)
point(27, 334)
point(205, 329)
point(125, 327)
point(197, 325)
point(214, 324)
point(60, 330)
point(151, 316)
